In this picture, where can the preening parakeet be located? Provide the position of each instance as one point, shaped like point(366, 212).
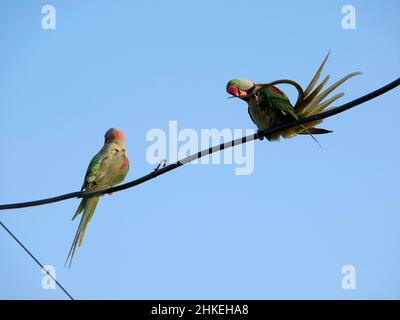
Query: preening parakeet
point(107, 168)
point(269, 107)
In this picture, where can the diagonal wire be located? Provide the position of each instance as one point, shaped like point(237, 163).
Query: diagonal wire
point(208, 151)
point(36, 260)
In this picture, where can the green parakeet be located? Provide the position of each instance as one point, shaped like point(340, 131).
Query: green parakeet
point(107, 168)
point(269, 107)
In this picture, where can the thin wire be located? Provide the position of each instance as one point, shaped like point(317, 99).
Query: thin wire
point(36, 260)
point(208, 151)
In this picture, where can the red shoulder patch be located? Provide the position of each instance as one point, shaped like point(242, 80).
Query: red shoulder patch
point(275, 89)
point(124, 164)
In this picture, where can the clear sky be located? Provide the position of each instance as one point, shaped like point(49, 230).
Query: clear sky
point(283, 231)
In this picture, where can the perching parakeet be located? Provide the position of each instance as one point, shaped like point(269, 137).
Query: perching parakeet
point(107, 168)
point(269, 107)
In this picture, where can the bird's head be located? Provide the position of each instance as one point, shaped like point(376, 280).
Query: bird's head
point(116, 138)
point(240, 88)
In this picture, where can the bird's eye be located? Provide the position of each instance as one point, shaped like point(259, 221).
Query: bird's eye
point(108, 140)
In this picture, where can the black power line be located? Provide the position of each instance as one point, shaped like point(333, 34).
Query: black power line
point(36, 260)
point(208, 151)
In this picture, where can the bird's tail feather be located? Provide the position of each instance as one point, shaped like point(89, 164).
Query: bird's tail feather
point(315, 131)
point(87, 205)
point(80, 208)
point(313, 102)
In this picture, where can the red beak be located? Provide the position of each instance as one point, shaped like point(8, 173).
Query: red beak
point(233, 91)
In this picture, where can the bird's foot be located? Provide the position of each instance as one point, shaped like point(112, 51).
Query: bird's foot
point(161, 164)
point(259, 134)
point(110, 193)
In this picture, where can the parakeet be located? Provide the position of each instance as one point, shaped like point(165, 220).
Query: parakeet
point(107, 168)
point(269, 107)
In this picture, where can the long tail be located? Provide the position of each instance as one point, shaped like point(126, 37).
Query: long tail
point(87, 205)
point(313, 102)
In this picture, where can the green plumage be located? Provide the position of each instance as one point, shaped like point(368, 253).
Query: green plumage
point(268, 107)
point(107, 168)
point(271, 97)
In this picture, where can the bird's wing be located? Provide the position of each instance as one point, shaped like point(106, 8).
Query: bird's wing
point(93, 170)
point(90, 179)
point(251, 117)
point(272, 97)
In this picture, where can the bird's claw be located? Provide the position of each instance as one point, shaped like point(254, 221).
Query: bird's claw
point(261, 137)
point(161, 164)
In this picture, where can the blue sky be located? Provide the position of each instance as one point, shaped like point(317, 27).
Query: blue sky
point(284, 231)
